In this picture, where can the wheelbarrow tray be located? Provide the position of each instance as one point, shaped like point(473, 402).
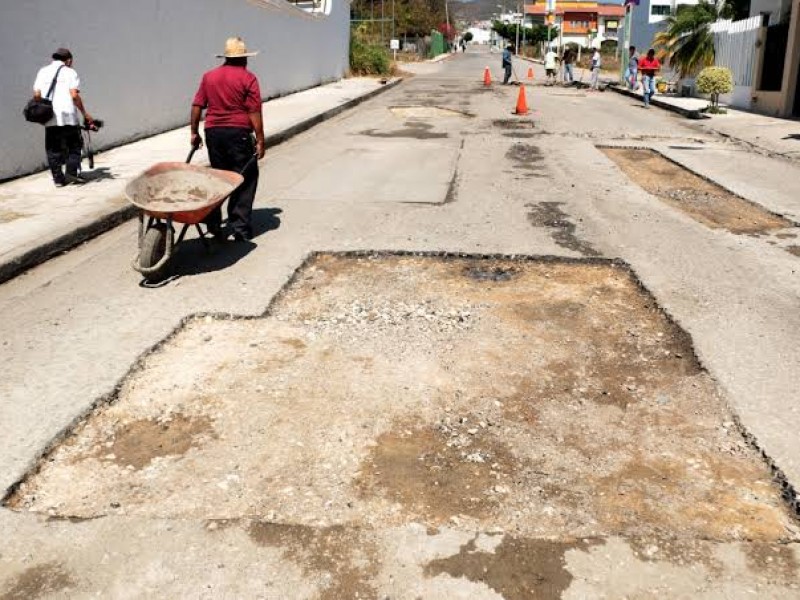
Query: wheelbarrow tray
point(183, 192)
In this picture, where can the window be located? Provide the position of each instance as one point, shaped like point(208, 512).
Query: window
point(660, 10)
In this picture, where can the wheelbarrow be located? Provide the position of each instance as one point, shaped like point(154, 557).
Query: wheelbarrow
point(173, 192)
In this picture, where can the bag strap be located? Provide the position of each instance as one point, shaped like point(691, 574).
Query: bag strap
point(53, 84)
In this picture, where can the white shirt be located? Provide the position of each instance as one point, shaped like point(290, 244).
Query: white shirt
point(66, 113)
point(550, 60)
point(596, 60)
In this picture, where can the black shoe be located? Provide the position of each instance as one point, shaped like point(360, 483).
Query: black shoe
point(218, 233)
point(242, 236)
point(76, 179)
point(60, 182)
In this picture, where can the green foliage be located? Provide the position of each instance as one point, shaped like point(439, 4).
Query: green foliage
point(468, 36)
point(608, 47)
point(715, 81)
point(530, 35)
point(412, 17)
point(366, 56)
point(687, 42)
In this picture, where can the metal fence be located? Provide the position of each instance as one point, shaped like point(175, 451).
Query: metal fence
point(735, 47)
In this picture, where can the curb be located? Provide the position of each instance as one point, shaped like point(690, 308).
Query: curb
point(103, 223)
point(689, 113)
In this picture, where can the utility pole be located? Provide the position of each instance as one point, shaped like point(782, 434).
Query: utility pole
point(516, 45)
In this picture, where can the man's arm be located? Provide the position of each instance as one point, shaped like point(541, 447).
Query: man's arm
point(197, 113)
point(257, 121)
point(78, 101)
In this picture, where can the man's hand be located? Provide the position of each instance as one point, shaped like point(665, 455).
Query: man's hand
point(260, 149)
point(196, 141)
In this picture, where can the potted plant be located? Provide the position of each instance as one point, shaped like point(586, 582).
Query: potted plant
point(661, 85)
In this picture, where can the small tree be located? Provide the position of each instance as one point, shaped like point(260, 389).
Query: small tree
point(715, 81)
point(468, 36)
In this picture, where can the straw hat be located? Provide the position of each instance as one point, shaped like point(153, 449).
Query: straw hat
point(235, 48)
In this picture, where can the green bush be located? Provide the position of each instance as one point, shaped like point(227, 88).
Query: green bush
point(714, 81)
point(367, 58)
point(468, 36)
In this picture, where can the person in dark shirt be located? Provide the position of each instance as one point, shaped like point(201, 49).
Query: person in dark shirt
point(507, 53)
point(234, 129)
point(568, 61)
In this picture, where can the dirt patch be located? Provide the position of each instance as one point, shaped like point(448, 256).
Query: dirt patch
point(456, 468)
point(549, 398)
point(6, 216)
point(778, 563)
point(793, 249)
point(139, 442)
point(548, 214)
point(344, 555)
point(38, 581)
point(518, 569)
point(520, 135)
point(702, 200)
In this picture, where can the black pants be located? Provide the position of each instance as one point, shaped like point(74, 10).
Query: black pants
point(507, 74)
point(63, 145)
point(230, 149)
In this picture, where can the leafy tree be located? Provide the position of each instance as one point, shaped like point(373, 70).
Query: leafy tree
point(535, 34)
point(468, 36)
point(687, 42)
point(715, 81)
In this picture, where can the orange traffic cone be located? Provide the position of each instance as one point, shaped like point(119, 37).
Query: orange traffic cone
point(487, 77)
point(522, 103)
point(530, 72)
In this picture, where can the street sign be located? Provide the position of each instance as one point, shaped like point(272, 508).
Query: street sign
point(394, 45)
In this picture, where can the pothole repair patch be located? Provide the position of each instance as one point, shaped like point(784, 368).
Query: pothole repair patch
point(426, 112)
point(552, 399)
point(702, 200)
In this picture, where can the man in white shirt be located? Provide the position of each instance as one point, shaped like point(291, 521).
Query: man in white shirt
point(596, 64)
point(550, 65)
point(62, 138)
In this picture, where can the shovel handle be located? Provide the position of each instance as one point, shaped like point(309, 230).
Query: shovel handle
point(191, 154)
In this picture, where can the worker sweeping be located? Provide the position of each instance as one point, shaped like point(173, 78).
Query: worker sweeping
point(507, 54)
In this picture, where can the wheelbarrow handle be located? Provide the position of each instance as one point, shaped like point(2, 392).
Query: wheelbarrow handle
point(191, 154)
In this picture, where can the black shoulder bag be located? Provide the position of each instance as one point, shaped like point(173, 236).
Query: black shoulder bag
point(40, 110)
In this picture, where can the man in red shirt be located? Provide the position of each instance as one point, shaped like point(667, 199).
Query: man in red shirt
point(234, 128)
point(648, 67)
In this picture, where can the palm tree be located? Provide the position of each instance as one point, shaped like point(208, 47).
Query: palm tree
point(687, 43)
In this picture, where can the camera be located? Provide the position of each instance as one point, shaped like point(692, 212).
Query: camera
point(94, 126)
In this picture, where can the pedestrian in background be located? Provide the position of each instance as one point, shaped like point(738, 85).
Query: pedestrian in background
point(234, 128)
point(596, 64)
point(568, 62)
point(649, 66)
point(633, 68)
point(550, 60)
point(507, 64)
point(62, 135)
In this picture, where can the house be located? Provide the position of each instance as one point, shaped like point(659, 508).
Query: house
point(585, 23)
point(647, 19)
point(776, 68)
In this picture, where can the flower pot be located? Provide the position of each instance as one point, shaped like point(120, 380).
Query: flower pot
point(661, 86)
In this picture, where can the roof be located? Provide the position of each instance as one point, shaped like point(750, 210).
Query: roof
point(603, 10)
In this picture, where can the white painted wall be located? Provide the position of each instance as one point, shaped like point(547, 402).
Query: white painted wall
point(140, 61)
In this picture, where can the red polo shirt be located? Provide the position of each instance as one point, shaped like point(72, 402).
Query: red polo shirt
point(649, 67)
point(229, 94)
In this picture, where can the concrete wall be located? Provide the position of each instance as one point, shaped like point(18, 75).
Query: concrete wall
point(140, 61)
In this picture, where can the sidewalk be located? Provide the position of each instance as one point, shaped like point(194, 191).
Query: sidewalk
point(780, 137)
point(39, 220)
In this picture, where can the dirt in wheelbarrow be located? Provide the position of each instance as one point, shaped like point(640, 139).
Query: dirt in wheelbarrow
point(551, 399)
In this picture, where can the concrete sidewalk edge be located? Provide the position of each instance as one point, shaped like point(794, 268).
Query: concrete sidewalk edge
point(689, 113)
point(84, 232)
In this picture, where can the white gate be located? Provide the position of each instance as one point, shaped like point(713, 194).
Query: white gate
point(735, 48)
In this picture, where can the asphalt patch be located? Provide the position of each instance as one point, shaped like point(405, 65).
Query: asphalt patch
point(548, 214)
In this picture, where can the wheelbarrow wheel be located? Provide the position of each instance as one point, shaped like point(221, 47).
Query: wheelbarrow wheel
point(154, 245)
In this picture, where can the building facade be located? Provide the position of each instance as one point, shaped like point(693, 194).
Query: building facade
point(647, 19)
point(587, 24)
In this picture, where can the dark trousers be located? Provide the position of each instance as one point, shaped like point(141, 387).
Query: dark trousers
point(230, 149)
point(507, 74)
point(63, 145)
